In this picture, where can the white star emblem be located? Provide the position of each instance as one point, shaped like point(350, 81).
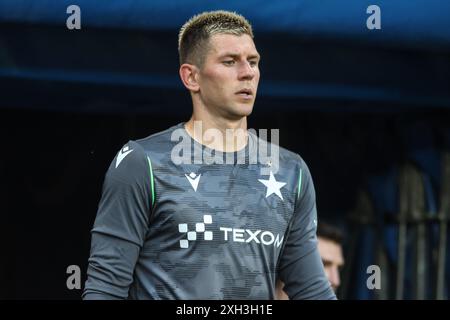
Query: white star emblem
point(273, 186)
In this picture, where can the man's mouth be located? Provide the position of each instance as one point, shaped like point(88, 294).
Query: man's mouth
point(245, 93)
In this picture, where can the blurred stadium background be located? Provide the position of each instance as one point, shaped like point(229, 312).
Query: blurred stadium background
point(369, 111)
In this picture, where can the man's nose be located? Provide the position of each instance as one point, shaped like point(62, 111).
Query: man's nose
point(334, 279)
point(246, 71)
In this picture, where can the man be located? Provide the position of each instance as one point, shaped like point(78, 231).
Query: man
point(330, 249)
point(172, 225)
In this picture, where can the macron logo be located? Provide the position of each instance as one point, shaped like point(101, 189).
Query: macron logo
point(193, 180)
point(122, 154)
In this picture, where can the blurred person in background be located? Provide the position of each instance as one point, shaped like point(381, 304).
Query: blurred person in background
point(330, 240)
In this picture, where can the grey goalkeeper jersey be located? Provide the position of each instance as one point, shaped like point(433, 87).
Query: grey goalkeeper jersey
point(191, 230)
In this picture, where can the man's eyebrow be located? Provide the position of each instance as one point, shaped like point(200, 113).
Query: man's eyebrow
point(254, 56)
point(229, 54)
point(236, 55)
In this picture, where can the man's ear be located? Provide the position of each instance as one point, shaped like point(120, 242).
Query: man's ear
point(189, 75)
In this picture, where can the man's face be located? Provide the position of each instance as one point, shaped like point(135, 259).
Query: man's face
point(229, 76)
point(333, 260)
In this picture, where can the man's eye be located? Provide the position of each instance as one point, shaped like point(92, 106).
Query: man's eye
point(253, 63)
point(228, 62)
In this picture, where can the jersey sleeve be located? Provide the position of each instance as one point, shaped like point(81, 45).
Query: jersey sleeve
point(300, 265)
point(121, 224)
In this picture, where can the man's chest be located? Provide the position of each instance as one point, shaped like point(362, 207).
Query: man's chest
point(225, 203)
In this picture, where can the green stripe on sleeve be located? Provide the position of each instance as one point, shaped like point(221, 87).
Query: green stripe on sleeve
point(299, 187)
point(151, 180)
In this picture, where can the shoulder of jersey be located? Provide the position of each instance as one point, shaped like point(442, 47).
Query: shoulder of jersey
point(286, 156)
point(158, 142)
point(128, 152)
point(137, 148)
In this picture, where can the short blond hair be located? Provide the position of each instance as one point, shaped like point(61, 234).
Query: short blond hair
point(195, 33)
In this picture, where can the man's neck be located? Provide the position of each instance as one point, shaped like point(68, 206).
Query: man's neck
point(218, 133)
